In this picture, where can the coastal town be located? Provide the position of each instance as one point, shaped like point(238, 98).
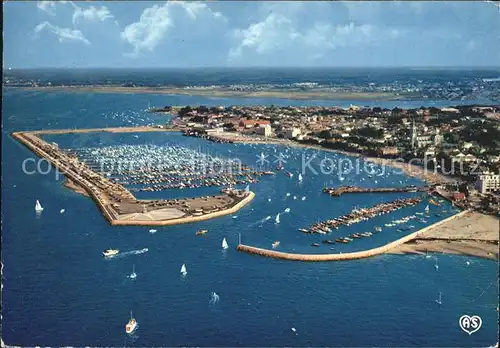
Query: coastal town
point(458, 147)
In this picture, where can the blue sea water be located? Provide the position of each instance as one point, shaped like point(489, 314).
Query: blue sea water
point(58, 290)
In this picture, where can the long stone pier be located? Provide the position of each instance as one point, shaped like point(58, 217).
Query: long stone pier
point(336, 192)
point(118, 205)
point(344, 256)
point(108, 130)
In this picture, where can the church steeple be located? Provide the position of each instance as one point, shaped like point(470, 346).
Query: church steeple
point(413, 134)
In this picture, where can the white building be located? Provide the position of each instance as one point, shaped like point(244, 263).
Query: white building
point(290, 133)
point(264, 130)
point(488, 182)
point(217, 130)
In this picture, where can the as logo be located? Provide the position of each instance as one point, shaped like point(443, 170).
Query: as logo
point(470, 324)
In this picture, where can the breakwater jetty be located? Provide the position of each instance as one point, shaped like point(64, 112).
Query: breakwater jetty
point(118, 205)
point(107, 130)
point(344, 256)
point(363, 214)
point(339, 191)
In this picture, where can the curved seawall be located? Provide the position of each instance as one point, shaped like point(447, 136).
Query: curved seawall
point(186, 220)
point(339, 257)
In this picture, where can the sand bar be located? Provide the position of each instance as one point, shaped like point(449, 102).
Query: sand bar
point(221, 92)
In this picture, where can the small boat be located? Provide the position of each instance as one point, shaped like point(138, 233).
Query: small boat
point(275, 244)
point(303, 230)
point(277, 220)
point(378, 229)
point(224, 244)
point(62, 211)
point(341, 240)
point(110, 252)
point(183, 270)
point(300, 177)
point(131, 325)
point(438, 301)
point(133, 275)
point(438, 215)
point(289, 174)
point(201, 232)
point(279, 167)
point(152, 231)
point(315, 245)
point(348, 239)
point(427, 209)
point(328, 241)
point(38, 206)
point(433, 202)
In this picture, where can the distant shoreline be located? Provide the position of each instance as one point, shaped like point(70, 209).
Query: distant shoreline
point(318, 94)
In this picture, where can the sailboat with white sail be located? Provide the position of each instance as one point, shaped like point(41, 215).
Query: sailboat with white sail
point(300, 177)
point(183, 270)
point(38, 207)
point(427, 208)
point(224, 244)
point(277, 220)
point(436, 266)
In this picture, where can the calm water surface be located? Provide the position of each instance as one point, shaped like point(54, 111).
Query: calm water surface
point(58, 290)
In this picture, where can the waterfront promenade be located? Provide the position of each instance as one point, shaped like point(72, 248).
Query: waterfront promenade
point(344, 256)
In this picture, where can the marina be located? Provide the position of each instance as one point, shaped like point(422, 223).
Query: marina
point(362, 214)
point(341, 256)
point(119, 205)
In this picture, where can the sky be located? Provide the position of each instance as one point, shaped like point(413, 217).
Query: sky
point(144, 34)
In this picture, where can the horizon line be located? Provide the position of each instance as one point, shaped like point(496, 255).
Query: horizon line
point(436, 67)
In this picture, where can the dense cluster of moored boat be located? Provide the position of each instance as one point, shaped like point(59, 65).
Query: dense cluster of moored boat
point(362, 214)
point(338, 191)
point(157, 168)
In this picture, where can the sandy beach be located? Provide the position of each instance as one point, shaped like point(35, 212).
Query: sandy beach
point(472, 234)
